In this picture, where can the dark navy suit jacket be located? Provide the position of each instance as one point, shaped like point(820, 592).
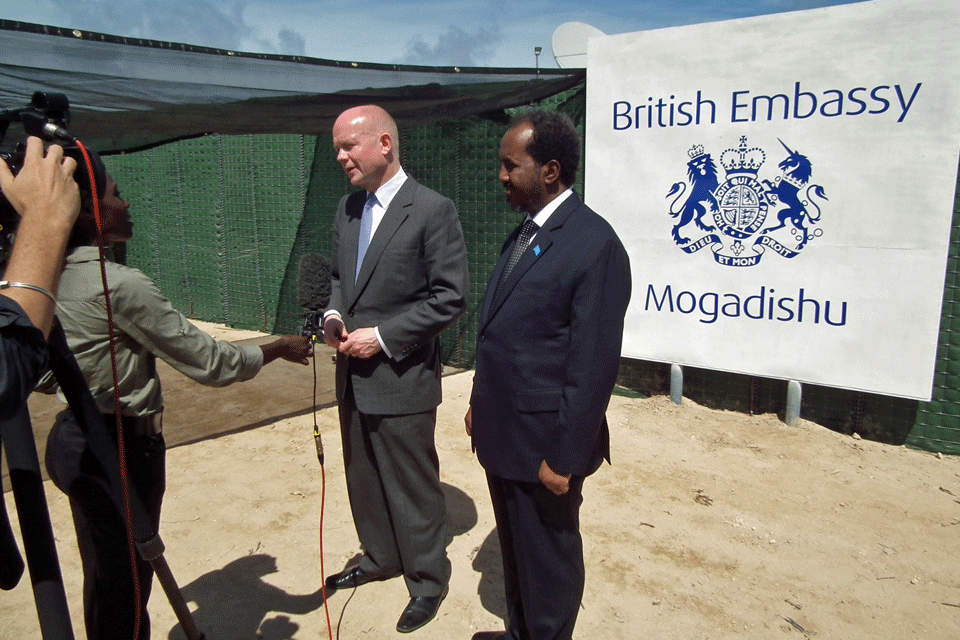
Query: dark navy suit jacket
point(548, 350)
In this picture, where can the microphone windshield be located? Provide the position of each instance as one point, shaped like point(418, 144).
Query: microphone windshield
point(313, 282)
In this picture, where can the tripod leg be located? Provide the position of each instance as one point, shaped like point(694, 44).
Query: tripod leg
point(36, 528)
point(152, 552)
point(11, 562)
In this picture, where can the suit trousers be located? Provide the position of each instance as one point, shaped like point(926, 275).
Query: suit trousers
point(108, 596)
point(543, 570)
point(393, 482)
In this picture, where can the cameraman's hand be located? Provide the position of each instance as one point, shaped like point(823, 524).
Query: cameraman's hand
point(44, 189)
point(48, 201)
point(334, 332)
point(297, 349)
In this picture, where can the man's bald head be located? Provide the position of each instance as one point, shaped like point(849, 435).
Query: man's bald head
point(366, 141)
point(371, 119)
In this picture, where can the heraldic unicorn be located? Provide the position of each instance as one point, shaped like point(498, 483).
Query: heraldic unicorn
point(732, 214)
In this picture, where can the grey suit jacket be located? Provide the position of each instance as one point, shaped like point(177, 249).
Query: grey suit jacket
point(412, 285)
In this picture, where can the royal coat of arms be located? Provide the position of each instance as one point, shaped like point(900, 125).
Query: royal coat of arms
point(733, 215)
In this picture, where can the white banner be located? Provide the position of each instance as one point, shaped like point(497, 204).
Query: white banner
point(785, 186)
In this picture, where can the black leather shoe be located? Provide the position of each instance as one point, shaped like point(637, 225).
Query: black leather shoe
point(354, 577)
point(489, 635)
point(419, 612)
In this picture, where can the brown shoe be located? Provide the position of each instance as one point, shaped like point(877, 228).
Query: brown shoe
point(489, 635)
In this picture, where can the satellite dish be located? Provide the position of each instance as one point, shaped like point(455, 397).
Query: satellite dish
point(569, 44)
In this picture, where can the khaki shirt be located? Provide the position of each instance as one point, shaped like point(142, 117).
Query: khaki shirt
point(147, 326)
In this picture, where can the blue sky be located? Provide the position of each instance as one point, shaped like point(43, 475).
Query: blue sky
point(483, 33)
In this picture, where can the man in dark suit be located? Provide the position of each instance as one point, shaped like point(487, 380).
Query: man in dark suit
point(548, 352)
point(399, 278)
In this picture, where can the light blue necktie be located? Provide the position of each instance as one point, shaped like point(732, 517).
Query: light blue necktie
point(366, 224)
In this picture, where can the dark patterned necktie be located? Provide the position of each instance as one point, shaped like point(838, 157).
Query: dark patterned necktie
point(527, 231)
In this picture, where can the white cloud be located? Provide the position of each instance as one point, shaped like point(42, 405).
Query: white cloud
point(440, 32)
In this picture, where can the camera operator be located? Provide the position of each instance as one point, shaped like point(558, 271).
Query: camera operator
point(146, 327)
point(48, 200)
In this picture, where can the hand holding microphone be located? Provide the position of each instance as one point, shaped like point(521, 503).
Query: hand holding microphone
point(334, 331)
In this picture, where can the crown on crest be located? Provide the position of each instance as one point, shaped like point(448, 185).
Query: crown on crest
point(742, 160)
point(796, 183)
point(696, 151)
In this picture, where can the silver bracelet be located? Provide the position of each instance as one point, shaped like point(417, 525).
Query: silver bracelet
point(23, 285)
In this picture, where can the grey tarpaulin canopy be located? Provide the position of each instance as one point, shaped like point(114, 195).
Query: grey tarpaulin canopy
point(128, 94)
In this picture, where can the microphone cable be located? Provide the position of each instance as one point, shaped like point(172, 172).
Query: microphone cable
point(323, 486)
point(121, 446)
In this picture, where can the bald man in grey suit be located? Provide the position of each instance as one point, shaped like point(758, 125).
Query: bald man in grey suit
point(399, 278)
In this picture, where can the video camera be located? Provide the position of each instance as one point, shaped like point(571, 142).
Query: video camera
point(46, 117)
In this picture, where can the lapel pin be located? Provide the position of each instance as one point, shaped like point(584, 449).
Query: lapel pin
point(536, 251)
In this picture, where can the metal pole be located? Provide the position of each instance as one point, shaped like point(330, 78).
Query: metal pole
point(676, 383)
point(792, 413)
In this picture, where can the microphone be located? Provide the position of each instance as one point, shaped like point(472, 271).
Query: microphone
point(313, 285)
point(313, 291)
point(313, 281)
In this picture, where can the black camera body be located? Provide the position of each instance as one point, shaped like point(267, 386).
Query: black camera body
point(46, 117)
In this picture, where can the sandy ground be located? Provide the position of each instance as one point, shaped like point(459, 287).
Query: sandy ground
point(708, 525)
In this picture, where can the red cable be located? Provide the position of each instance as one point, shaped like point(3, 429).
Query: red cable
point(323, 492)
point(323, 584)
point(121, 448)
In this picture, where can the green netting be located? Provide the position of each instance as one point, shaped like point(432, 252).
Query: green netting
point(215, 219)
point(937, 426)
point(221, 224)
